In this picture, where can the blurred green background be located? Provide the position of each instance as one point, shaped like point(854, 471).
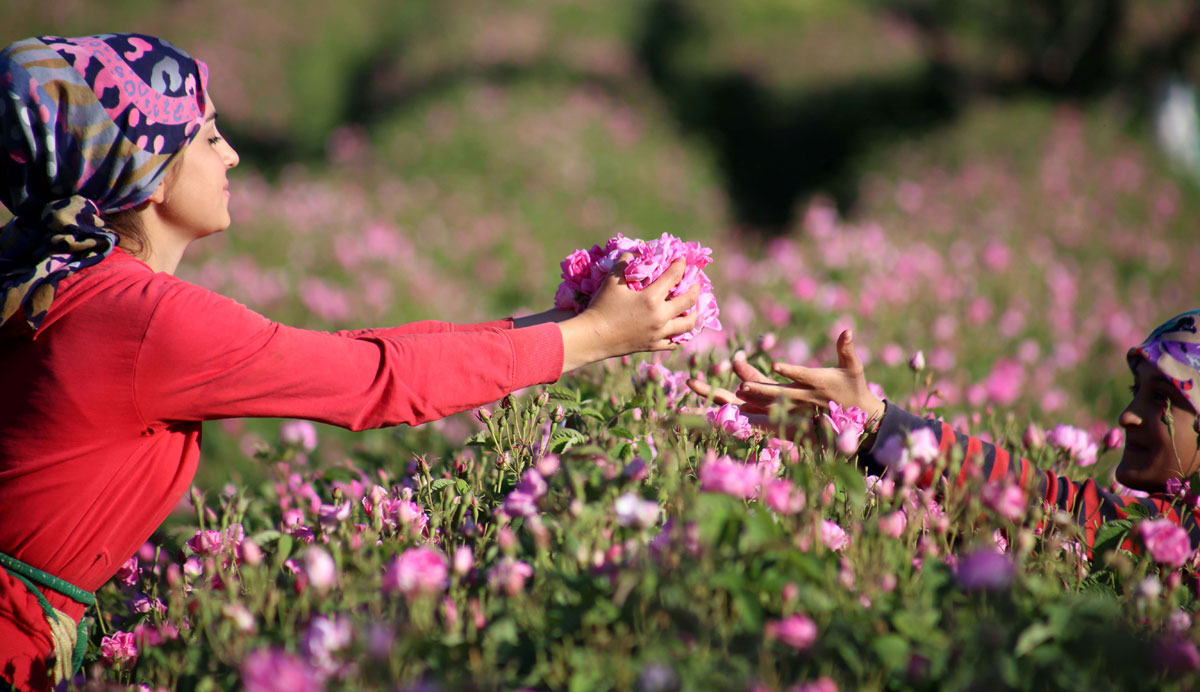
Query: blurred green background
point(418, 159)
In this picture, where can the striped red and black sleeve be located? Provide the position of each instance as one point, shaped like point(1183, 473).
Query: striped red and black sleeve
point(1090, 504)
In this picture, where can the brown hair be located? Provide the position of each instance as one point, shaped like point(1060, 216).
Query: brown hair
point(127, 223)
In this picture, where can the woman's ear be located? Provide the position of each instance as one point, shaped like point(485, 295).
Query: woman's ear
point(160, 193)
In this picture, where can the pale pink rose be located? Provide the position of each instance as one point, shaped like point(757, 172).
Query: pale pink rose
point(509, 576)
point(119, 649)
point(319, 569)
point(275, 670)
point(1033, 438)
point(323, 640)
point(797, 631)
point(917, 362)
point(850, 419)
point(520, 504)
point(729, 418)
point(783, 497)
point(1075, 442)
point(821, 684)
point(1166, 542)
point(893, 524)
point(833, 536)
point(240, 615)
point(632, 510)
point(464, 557)
point(300, 434)
point(923, 445)
point(417, 572)
point(1005, 499)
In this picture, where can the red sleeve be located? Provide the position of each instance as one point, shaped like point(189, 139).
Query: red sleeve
point(427, 327)
point(1090, 504)
point(205, 357)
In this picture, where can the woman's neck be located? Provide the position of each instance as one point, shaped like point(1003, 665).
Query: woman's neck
point(164, 246)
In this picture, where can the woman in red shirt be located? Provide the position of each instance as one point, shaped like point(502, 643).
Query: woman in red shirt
point(112, 164)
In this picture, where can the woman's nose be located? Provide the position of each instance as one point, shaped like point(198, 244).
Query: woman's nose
point(1129, 419)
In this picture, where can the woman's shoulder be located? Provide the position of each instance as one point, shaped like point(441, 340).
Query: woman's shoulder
point(120, 287)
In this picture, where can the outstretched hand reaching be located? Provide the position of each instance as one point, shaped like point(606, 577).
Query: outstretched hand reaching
point(811, 388)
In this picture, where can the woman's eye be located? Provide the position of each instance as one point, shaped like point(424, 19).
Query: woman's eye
point(214, 140)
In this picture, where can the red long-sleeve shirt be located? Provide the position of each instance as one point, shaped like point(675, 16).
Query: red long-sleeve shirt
point(1090, 504)
point(100, 413)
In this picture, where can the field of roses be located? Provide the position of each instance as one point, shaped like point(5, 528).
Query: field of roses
point(420, 160)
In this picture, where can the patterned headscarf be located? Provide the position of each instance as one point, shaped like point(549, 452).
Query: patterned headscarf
point(88, 126)
point(1174, 348)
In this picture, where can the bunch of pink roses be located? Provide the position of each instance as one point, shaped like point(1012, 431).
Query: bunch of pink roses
point(583, 272)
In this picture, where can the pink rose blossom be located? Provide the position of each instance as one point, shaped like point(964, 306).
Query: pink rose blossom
point(723, 475)
point(632, 510)
point(319, 569)
point(323, 639)
point(464, 557)
point(1075, 442)
point(821, 684)
point(275, 670)
point(1167, 543)
point(783, 497)
point(119, 649)
point(851, 419)
point(583, 273)
point(1005, 499)
point(833, 536)
point(923, 445)
point(417, 572)
point(893, 524)
point(300, 434)
point(509, 576)
point(730, 419)
point(797, 631)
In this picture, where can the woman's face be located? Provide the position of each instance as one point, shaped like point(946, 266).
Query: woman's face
point(1155, 451)
point(196, 202)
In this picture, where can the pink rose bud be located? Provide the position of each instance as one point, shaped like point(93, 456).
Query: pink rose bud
point(464, 557)
point(767, 341)
point(917, 362)
point(797, 631)
point(319, 568)
point(893, 524)
point(506, 539)
point(1033, 438)
point(1114, 438)
point(1166, 542)
point(251, 553)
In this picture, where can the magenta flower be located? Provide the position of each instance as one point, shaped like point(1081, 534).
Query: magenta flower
point(128, 574)
point(509, 576)
point(730, 419)
point(1177, 655)
point(783, 496)
point(1167, 543)
point(417, 572)
point(464, 557)
point(119, 649)
point(275, 670)
point(583, 272)
point(851, 419)
point(797, 631)
point(1114, 438)
point(723, 475)
point(1005, 499)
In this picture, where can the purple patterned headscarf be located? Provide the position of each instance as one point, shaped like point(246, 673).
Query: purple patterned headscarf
point(88, 126)
point(1174, 348)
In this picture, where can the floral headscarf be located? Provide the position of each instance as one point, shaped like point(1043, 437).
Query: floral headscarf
point(1174, 348)
point(88, 126)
